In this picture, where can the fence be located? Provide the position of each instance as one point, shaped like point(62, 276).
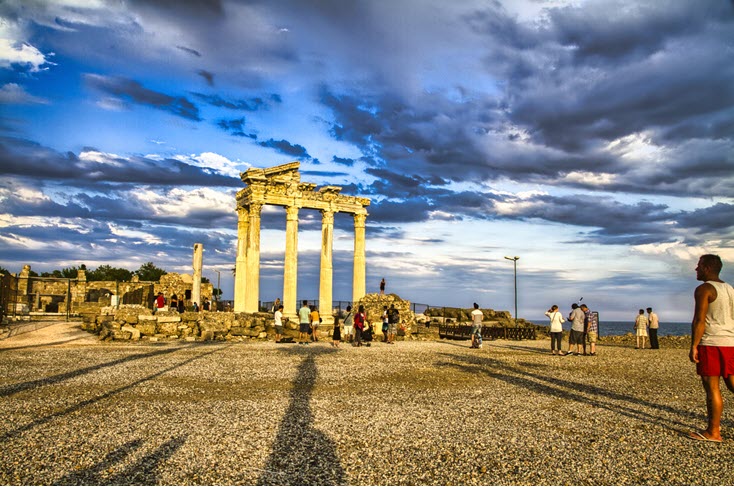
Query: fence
point(463, 332)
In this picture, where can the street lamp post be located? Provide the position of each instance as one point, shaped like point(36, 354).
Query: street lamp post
point(514, 261)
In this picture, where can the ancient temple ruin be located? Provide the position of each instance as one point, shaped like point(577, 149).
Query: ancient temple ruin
point(282, 186)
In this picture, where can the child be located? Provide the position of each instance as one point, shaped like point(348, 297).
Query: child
point(337, 337)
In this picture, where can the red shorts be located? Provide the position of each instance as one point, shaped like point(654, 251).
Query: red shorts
point(715, 361)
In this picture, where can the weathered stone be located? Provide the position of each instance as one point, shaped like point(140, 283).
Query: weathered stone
point(374, 306)
point(262, 335)
point(134, 332)
point(146, 327)
point(207, 335)
point(190, 339)
point(105, 319)
point(169, 319)
point(166, 328)
point(238, 330)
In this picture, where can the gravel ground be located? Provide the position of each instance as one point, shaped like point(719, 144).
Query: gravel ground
point(77, 411)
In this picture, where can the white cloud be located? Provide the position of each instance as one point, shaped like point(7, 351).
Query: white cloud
point(14, 94)
point(216, 162)
point(21, 53)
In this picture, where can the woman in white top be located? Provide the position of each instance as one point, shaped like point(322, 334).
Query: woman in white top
point(556, 330)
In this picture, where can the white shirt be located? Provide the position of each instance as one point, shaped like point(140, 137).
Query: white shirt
point(477, 316)
point(556, 318)
point(719, 330)
point(278, 318)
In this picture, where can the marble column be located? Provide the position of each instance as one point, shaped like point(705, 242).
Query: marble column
point(240, 271)
point(252, 294)
point(327, 267)
point(360, 263)
point(290, 272)
point(198, 261)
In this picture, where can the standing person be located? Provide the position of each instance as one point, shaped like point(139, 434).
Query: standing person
point(304, 316)
point(206, 306)
point(712, 341)
point(336, 337)
point(641, 328)
point(315, 322)
point(476, 326)
point(159, 303)
point(385, 324)
point(349, 324)
point(382, 287)
point(576, 336)
point(654, 322)
point(591, 323)
point(278, 318)
point(556, 328)
point(174, 302)
point(182, 306)
point(393, 320)
point(359, 320)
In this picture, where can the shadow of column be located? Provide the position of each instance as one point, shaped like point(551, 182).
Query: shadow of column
point(302, 455)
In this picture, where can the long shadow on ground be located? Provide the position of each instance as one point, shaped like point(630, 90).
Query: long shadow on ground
point(302, 455)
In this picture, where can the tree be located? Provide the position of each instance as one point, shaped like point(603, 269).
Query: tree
point(109, 273)
point(3, 270)
point(149, 272)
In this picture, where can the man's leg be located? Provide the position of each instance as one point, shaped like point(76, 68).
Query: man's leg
point(714, 405)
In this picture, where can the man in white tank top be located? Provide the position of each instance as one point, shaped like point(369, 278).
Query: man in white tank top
point(712, 341)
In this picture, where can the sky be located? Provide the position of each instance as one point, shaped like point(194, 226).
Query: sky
point(592, 139)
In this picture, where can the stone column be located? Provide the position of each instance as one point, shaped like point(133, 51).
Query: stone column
point(360, 264)
point(240, 271)
point(252, 294)
point(198, 261)
point(290, 272)
point(327, 267)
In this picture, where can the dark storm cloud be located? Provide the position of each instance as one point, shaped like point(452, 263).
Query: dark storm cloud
point(598, 72)
point(25, 158)
point(714, 219)
point(285, 147)
point(248, 105)
point(411, 210)
point(133, 91)
point(207, 75)
point(235, 127)
point(343, 160)
point(189, 50)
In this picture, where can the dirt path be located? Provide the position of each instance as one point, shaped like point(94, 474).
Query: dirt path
point(56, 335)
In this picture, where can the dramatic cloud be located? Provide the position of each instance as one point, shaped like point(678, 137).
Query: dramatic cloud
point(130, 90)
point(601, 129)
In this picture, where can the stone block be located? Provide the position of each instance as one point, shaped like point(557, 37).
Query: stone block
point(207, 335)
point(146, 327)
point(238, 330)
point(134, 332)
point(168, 319)
point(167, 328)
point(190, 339)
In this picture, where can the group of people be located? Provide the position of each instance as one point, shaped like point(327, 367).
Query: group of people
point(357, 329)
point(584, 328)
point(177, 304)
point(647, 325)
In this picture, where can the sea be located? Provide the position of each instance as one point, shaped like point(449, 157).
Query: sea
point(611, 328)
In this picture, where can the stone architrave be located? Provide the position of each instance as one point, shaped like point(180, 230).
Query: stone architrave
point(282, 186)
point(198, 262)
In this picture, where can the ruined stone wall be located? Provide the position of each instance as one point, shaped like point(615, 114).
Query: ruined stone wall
point(139, 323)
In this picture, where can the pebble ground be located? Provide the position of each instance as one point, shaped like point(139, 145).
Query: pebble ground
point(75, 411)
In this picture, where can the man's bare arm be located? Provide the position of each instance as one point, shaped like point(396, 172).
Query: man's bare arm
point(704, 294)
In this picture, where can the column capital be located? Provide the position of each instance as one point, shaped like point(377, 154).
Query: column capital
point(327, 217)
point(360, 219)
point(255, 209)
point(291, 212)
